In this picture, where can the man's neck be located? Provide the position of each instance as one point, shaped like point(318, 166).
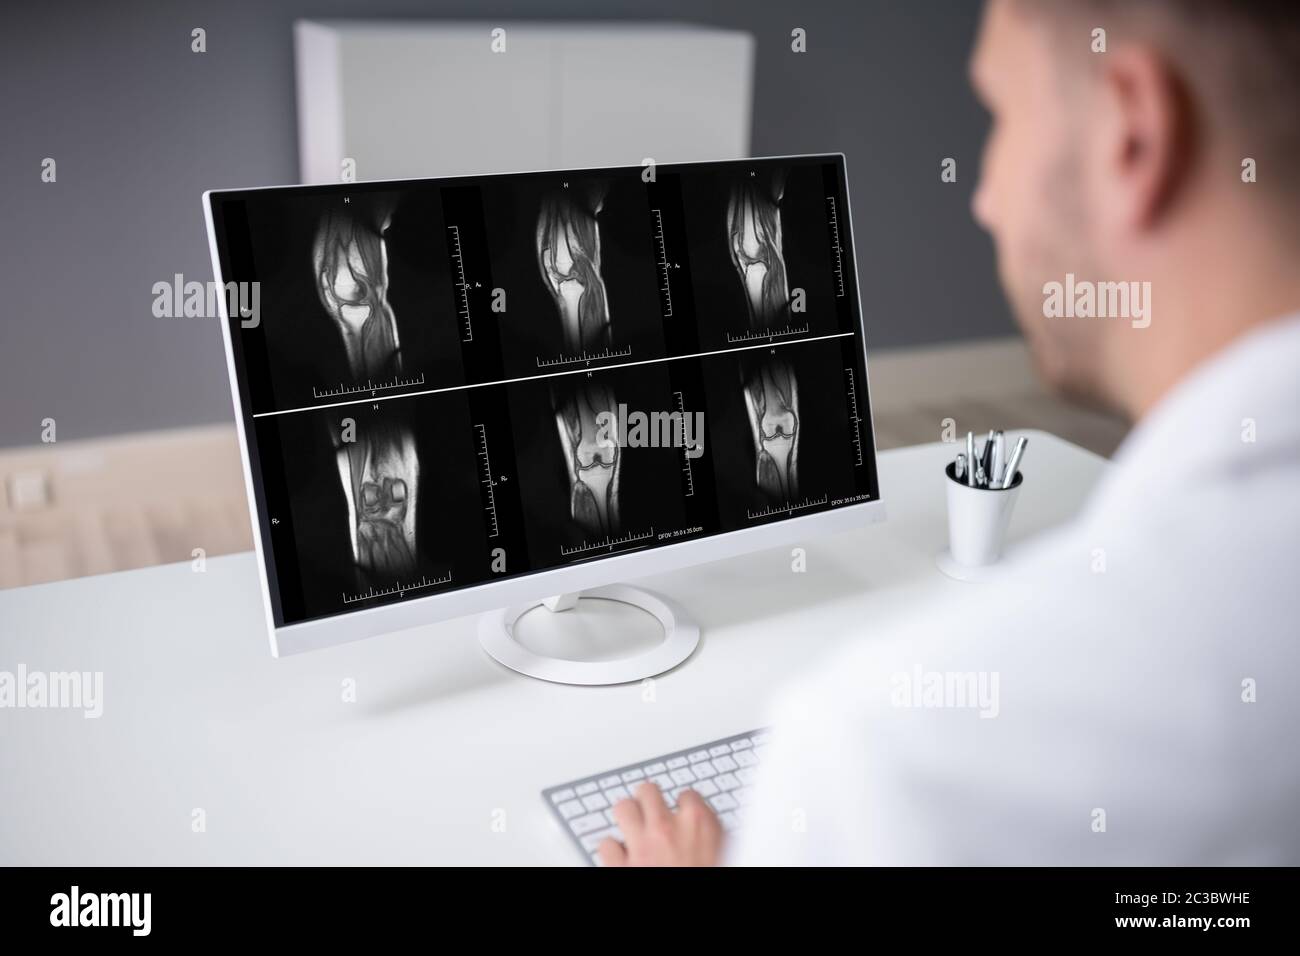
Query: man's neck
point(1196, 315)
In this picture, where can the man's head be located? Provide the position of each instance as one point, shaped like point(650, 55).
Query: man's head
point(1120, 129)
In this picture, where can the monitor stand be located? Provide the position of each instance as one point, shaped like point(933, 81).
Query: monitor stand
point(681, 635)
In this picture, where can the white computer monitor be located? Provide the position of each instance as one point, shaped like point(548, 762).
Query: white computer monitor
point(470, 393)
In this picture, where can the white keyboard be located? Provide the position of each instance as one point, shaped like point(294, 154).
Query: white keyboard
point(722, 772)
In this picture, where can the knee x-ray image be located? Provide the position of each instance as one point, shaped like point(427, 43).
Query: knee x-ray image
point(380, 474)
point(568, 253)
point(592, 457)
point(772, 403)
point(757, 251)
point(351, 263)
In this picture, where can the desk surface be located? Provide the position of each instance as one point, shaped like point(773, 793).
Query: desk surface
point(442, 756)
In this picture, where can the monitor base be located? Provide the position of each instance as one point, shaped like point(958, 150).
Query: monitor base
point(681, 636)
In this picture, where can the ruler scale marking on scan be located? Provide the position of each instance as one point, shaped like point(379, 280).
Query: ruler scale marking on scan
point(686, 459)
point(665, 286)
point(462, 287)
point(609, 542)
point(854, 418)
point(488, 481)
point(787, 508)
point(836, 248)
point(369, 387)
point(398, 589)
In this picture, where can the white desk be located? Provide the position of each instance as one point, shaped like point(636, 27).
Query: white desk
point(440, 738)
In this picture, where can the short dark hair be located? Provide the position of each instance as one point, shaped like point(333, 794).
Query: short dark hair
point(1240, 57)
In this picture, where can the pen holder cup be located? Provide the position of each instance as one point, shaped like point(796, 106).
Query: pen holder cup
point(978, 519)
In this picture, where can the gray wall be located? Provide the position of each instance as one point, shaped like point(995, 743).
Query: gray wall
point(140, 126)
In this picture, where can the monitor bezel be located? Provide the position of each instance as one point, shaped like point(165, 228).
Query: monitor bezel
point(347, 626)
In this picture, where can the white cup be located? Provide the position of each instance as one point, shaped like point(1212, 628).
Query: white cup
point(978, 519)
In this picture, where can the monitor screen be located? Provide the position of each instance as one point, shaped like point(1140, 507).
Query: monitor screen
point(449, 382)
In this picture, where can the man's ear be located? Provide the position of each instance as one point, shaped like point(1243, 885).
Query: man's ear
point(1146, 129)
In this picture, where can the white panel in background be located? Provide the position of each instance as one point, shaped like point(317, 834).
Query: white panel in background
point(430, 98)
point(675, 94)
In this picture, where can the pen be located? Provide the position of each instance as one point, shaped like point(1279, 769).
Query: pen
point(981, 477)
point(960, 468)
point(999, 460)
point(986, 456)
point(1014, 463)
point(970, 458)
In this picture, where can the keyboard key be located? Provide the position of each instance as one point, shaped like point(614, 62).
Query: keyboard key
point(588, 787)
point(655, 769)
point(703, 769)
point(724, 763)
point(676, 762)
point(719, 751)
point(743, 795)
point(761, 738)
point(607, 782)
point(571, 809)
point(615, 794)
point(670, 797)
point(699, 755)
point(726, 781)
point(588, 824)
point(595, 801)
point(728, 821)
point(609, 815)
point(632, 776)
point(683, 775)
point(746, 758)
point(561, 796)
point(663, 782)
point(592, 841)
point(723, 801)
point(705, 788)
point(746, 774)
point(741, 744)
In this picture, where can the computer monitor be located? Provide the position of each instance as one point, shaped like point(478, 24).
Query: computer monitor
point(464, 393)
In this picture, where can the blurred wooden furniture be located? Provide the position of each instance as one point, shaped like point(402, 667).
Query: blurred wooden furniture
point(74, 508)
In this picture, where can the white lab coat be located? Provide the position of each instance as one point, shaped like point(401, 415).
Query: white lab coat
point(1147, 659)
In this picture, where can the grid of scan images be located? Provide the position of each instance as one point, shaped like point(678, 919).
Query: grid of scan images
point(457, 381)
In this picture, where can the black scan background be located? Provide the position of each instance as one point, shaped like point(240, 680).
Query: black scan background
point(720, 304)
point(304, 348)
point(530, 327)
point(544, 484)
point(826, 456)
point(450, 534)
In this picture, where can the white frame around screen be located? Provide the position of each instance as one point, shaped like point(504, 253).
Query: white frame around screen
point(533, 586)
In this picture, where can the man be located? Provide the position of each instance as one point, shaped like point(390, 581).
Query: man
point(1147, 655)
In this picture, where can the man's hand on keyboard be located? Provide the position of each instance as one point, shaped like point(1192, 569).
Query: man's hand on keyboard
point(654, 836)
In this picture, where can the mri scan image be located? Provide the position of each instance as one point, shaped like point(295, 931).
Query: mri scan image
point(380, 474)
point(568, 254)
point(592, 458)
point(772, 403)
point(754, 240)
point(351, 263)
